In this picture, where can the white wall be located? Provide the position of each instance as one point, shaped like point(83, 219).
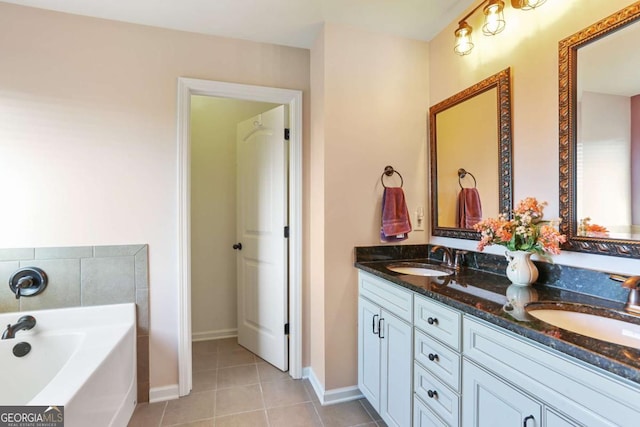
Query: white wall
point(529, 45)
point(213, 212)
point(88, 151)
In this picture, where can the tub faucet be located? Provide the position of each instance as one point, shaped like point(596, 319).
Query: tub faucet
point(633, 284)
point(447, 258)
point(25, 322)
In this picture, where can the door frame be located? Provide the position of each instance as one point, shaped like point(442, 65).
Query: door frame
point(292, 98)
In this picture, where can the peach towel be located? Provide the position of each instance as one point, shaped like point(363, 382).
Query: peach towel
point(469, 208)
point(396, 223)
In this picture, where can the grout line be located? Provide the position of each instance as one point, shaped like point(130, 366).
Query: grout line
point(163, 411)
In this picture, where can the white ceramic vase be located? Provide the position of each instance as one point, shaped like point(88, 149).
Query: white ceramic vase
point(521, 270)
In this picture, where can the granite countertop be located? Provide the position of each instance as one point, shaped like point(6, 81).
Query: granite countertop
point(483, 295)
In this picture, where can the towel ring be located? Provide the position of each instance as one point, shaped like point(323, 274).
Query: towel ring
point(462, 173)
point(389, 171)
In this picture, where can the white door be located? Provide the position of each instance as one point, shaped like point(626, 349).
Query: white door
point(369, 351)
point(262, 217)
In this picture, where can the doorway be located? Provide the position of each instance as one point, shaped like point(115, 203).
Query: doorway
point(293, 101)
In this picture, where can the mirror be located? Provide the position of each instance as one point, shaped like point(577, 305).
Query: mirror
point(600, 136)
point(471, 177)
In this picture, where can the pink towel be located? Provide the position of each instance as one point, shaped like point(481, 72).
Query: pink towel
point(395, 216)
point(469, 208)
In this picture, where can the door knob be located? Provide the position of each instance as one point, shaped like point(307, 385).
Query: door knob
point(237, 246)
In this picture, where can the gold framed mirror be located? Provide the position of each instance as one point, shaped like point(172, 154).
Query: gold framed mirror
point(471, 153)
point(599, 106)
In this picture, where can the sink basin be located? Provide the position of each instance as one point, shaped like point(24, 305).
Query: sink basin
point(595, 322)
point(418, 269)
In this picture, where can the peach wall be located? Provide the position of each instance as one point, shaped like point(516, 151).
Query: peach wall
point(529, 45)
point(374, 113)
point(88, 137)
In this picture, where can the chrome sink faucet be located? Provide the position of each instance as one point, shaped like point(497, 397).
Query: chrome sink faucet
point(633, 284)
point(447, 258)
point(24, 323)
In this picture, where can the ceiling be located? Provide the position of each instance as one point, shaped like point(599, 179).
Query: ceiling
point(285, 22)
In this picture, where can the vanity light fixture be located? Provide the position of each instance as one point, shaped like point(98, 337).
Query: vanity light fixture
point(493, 18)
point(526, 4)
point(493, 24)
point(463, 39)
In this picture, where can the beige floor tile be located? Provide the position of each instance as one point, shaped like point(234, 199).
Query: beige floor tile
point(204, 362)
point(284, 393)
point(311, 392)
point(204, 380)
point(147, 414)
point(238, 399)
point(228, 344)
point(204, 347)
point(196, 406)
point(245, 419)
point(235, 357)
point(237, 375)
point(269, 372)
point(300, 415)
point(370, 410)
point(343, 414)
point(202, 423)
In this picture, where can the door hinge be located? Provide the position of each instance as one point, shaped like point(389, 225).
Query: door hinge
point(286, 232)
point(286, 134)
point(286, 329)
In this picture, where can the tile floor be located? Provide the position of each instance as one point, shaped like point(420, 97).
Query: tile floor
point(233, 387)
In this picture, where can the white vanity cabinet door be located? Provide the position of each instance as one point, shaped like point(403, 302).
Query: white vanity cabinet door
point(369, 351)
point(553, 419)
point(385, 348)
point(423, 417)
point(396, 363)
point(490, 402)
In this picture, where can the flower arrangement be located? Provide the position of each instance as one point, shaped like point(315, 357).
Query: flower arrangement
point(525, 232)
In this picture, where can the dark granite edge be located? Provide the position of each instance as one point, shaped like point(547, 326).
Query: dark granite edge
point(592, 357)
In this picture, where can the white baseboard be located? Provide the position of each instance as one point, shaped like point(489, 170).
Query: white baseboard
point(333, 396)
point(160, 394)
point(214, 335)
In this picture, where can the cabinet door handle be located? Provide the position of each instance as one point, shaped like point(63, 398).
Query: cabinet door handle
point(433, 357)
point(432, 320)
point(380, 327)
point(526, 419)
point(434, 394)
point(373, 325)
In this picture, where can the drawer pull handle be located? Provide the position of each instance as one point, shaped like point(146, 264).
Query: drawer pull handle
point(432, 320)
point(380, 326)
point(373, 325)
point(434, 395)
point(526, 419)
point(433, 357)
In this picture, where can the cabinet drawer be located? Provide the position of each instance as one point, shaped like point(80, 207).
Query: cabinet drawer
point(437, 320)
point(423, 416)
point(586, 394)
point(438, 359)
point(436, 395)
point(387, 295)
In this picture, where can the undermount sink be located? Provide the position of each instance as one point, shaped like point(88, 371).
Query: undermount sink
point(595, 322)
point(419, 269)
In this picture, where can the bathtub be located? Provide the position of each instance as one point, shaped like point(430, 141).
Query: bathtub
point(82, 358)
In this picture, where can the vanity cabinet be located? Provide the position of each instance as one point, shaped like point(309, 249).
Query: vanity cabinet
point(426, 364)
point(560, 390)
point(436, 371)
point(385, 348)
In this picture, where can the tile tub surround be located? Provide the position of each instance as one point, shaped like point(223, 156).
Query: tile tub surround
point(85, 276)
point(620, 360)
